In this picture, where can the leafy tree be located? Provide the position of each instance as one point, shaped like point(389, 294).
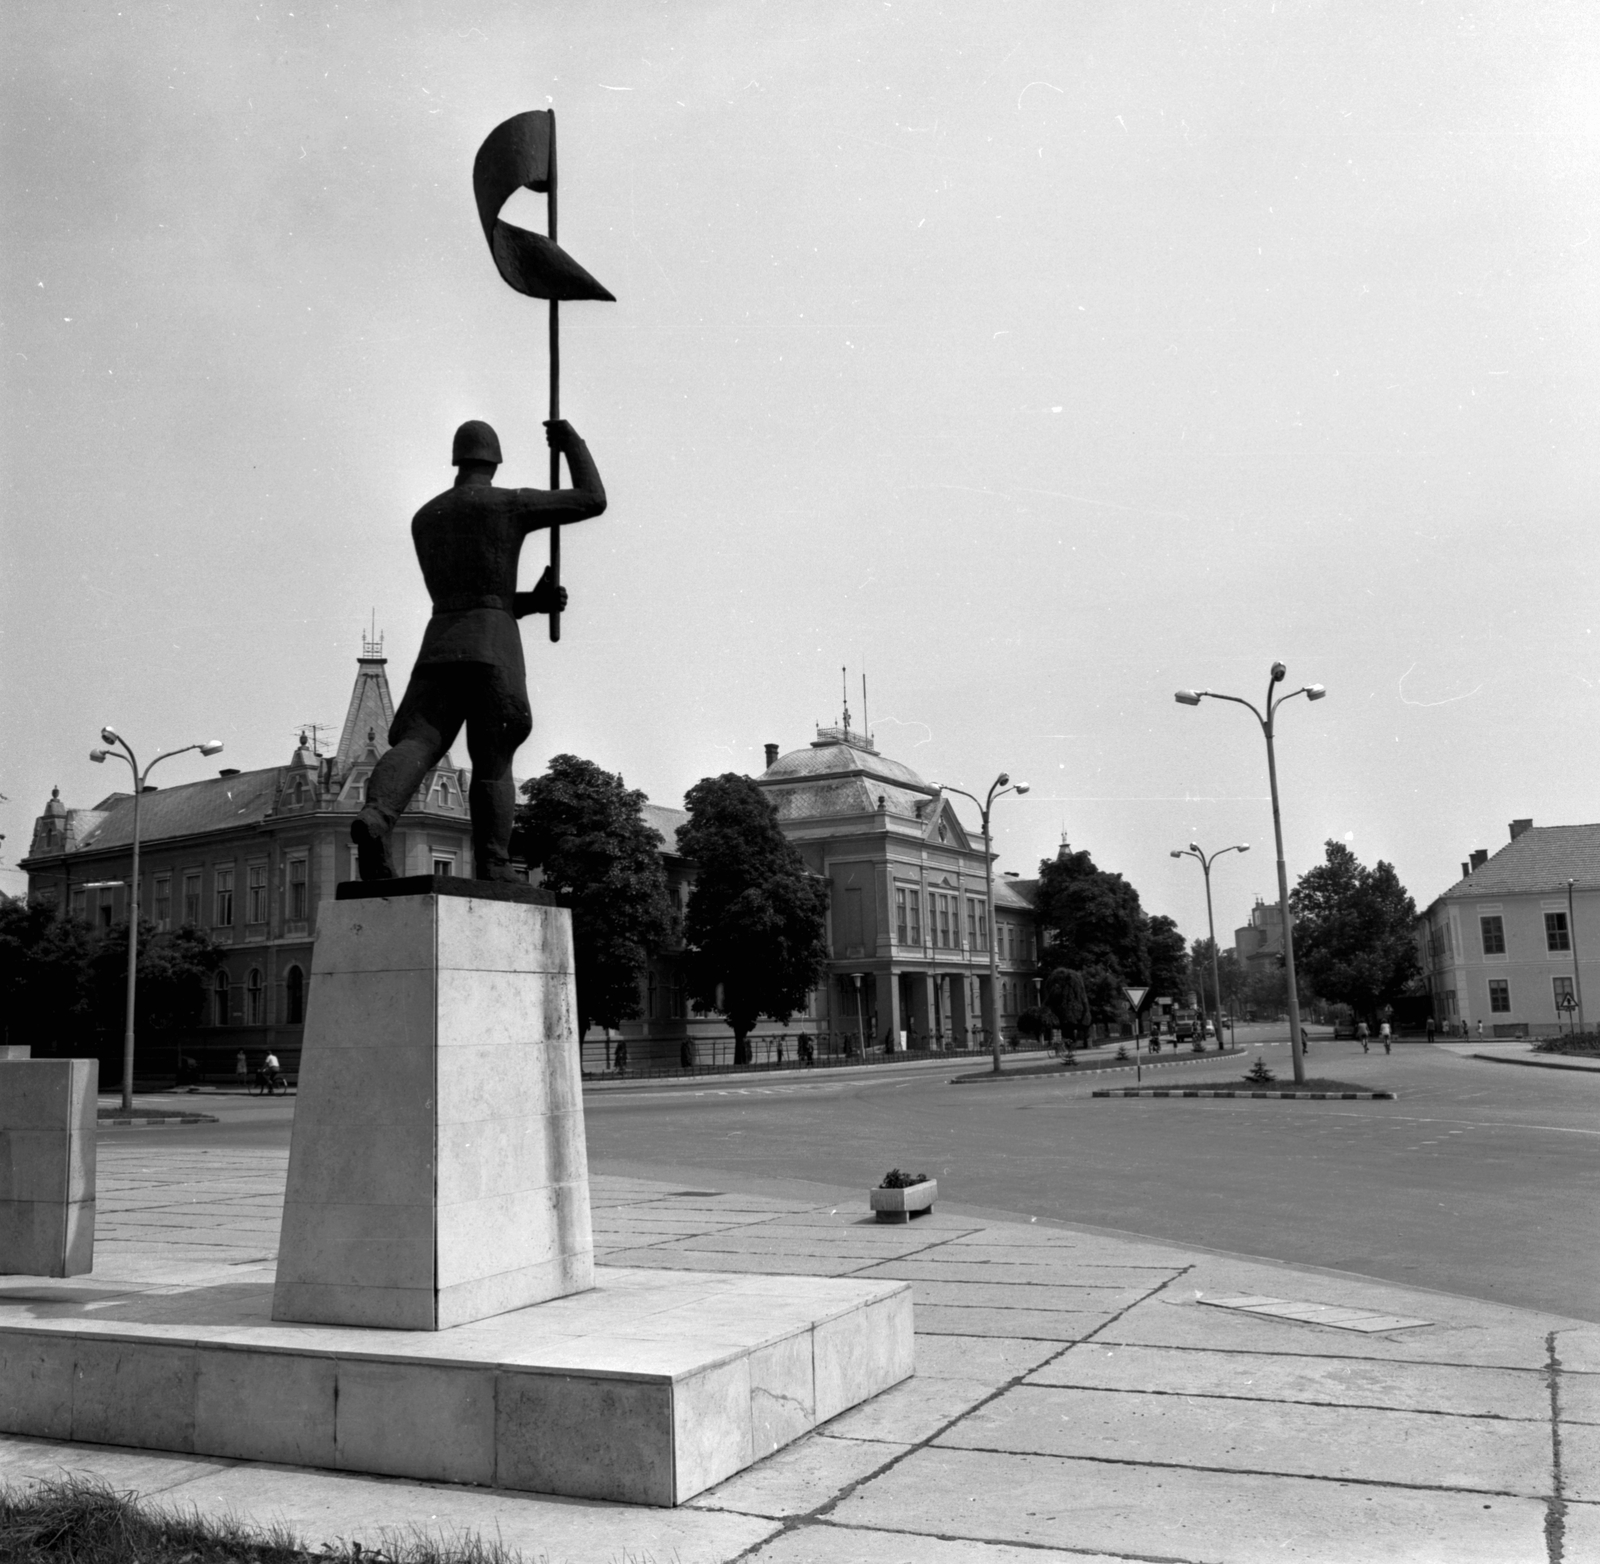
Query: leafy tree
point(583, 828)
point(43, 996)
point(1169, 957)
point(1354, 940)
point(757, 921)
point(175, 973)
point(1068, 1000)
point(1092, 922)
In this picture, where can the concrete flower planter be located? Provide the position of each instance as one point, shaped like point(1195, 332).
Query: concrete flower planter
point(900, 1205)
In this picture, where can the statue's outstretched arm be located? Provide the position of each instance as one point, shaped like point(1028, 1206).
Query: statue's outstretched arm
point(586, 498)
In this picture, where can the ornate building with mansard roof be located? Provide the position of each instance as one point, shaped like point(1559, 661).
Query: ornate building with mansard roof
point(247, 856)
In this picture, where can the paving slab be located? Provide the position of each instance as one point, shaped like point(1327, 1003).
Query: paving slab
point(1261, 1376)
point(1028, 1296)
point(1030, 1324)
point(913, 1411)
point(1580, 1397)
point(993, 1359)
point(1578, 1347)
point(948, 1264)
point(1419, 1449)
point(800, 1479)
point(1580, 1461)
point(814, 1540)
point(1133, 1511)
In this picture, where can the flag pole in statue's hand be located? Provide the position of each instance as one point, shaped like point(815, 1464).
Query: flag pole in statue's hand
point(522, 151)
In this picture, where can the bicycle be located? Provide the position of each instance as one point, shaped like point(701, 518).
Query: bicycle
point(268, 1085)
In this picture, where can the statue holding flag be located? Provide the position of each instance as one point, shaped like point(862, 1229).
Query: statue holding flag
point(468, 540)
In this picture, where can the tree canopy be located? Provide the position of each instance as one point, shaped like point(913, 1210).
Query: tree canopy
point(756, 925)
point(1354, 932)
point(1092, 923)
point(1067, 998)
point(63, 984)
point(1169, 957)
point(582, 827)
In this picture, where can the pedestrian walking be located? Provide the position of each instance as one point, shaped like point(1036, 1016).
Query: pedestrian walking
point(1363, 1035)
point(1383, 1032)
point(1480, 1026)
point(241, 1068)
point(1430, 1029)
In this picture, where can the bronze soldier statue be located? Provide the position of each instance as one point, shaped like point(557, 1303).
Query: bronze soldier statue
point(470, 668)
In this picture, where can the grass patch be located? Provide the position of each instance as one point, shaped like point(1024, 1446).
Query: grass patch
point(84, 1521)
point(1585, 1043)
point(1312, 1083)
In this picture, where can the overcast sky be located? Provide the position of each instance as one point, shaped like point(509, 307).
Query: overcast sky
point(1036, 359)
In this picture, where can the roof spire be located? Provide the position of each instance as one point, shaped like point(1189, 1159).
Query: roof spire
point(844, 687)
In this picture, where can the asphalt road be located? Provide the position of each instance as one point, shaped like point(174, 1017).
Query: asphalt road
point(1480, 1179)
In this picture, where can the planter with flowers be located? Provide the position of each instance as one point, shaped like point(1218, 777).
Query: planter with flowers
point(902, 1196)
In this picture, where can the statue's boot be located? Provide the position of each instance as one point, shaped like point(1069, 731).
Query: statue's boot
point(370, 832)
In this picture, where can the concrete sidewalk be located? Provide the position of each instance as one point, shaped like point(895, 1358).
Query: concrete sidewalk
point(1520, 1051)
point(1077, 1397)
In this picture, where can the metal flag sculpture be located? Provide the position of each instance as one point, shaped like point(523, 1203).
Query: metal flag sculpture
point(522, 152)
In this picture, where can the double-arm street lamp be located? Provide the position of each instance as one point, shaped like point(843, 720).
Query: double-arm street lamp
point(110, 737)
point(1001, 785)
point(1312, 692)
point(1194, 850)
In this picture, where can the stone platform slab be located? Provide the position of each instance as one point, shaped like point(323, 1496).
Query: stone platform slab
point(648, 1389)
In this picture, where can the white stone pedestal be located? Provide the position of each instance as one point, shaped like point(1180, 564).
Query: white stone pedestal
point(47, 1156)
point(437, 1171)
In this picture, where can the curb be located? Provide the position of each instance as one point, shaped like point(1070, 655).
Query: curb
point(1061, 1072)
point(158, 1119)
point(787, 1072)
point(1197, 1091)
point(1538, 1064)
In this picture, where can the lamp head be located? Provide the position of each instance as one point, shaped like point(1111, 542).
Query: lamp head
point(1022, 787)
point(1315, 692)
point(1002, 780)
point(1176, 852)
point(211, 747)
point(1243, 847)
point(1278, 671)
point(1187, 697)
point(109, 735)
point(1194, 847)
point(98, 756)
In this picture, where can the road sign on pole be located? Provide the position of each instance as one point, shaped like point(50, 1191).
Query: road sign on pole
point(1136, 999)
point(1135, 996)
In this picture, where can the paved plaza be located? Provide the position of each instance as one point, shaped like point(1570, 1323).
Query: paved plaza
point(1077, 1397)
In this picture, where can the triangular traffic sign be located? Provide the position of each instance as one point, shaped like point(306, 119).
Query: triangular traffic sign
point(1135, 995)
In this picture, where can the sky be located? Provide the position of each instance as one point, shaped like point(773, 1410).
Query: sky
point(1033, 360)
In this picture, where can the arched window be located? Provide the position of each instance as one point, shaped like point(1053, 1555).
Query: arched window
point(444, 792)
point(219, 999)
point(294, 996)
point(299, 790)
point(253, 995)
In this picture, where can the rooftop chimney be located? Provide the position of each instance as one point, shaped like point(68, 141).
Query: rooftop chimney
point(1519, 826)
point(1480, 856)
point(1466, 869)
point(772, 756)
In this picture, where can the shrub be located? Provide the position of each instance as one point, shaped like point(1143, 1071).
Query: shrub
point(1258, 1074)
point(895, 1179)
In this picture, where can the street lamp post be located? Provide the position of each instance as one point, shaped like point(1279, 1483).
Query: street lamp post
point(110, 736)
point(1001, 785)
point(1312, 692)
point(1572, 935)
point(1193, 850)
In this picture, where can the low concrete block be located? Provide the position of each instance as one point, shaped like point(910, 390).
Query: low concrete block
point(647, 1390)
point(47, 1166)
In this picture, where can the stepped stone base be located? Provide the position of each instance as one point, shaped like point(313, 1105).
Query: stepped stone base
point(648, 1389)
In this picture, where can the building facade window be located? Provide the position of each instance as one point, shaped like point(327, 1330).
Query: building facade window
point(299, 889)
point(1494, 935)
point(944, 921)
point(1500, 996)
point(1556, 934)
point(444, 866)
point(298, 796)
point(255, 903)
point(972, 924)
point(254, 991)
point(105, 909)
point(294, 996)
point(191, 899)
point(444, 792)
point(1561, 992)
point(77, 902)
point(914, 906)
point(219, 999)
point(161, 902)
point(224, 908)
point(900, 915)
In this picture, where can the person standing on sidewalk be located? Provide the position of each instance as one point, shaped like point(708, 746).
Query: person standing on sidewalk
point(1430, 1029)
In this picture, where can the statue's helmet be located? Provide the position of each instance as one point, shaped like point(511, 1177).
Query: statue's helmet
point(475, 442)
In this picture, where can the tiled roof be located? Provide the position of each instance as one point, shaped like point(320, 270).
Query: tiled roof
point(843, 796)
point(211, 805)
point(1542, 859)
point(1015, 894)
point(839, 759)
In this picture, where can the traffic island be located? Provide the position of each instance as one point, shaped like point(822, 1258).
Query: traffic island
point(1311, 1091)
point(116, 1116)
point(1059, 1070)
